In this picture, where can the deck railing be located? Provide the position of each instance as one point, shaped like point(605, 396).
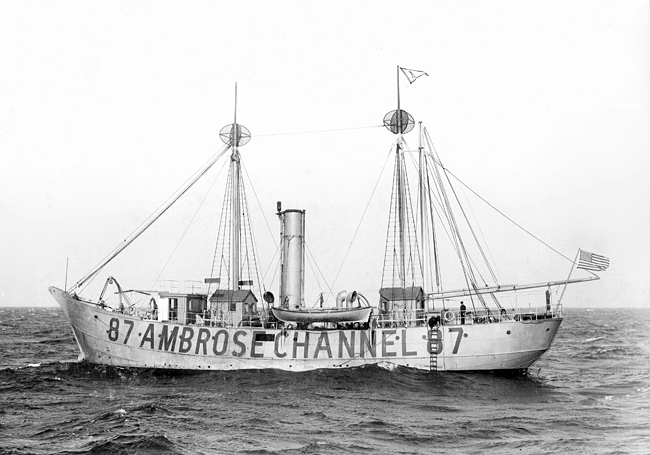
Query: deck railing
point(183, 287)
point(412, 318)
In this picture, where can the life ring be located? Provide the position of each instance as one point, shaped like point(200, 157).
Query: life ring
point(448, 316)
point(130, 310)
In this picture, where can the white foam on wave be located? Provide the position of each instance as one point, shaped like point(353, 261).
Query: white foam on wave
point(590, 340)
point(387, 366)
point(34, 365)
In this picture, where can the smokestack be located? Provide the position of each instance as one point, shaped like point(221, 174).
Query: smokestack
point(293, 258)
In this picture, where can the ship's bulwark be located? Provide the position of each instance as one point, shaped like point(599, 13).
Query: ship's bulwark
point(116, 339)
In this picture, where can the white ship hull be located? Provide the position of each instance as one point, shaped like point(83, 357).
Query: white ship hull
point(110, 338)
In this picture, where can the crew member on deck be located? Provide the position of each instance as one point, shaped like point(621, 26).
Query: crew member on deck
point(548, 302)
point(434, 321)
point(462, 312)
point(153, 309)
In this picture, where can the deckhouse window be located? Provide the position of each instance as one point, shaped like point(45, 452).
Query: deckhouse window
point(173, 309)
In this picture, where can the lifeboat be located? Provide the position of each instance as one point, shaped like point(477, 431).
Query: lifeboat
point(335, 315)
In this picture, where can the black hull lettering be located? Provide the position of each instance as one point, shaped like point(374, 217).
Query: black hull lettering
point(148, 336)
point(185, 344)
point(224, 344)
point(239, 344)
point(168, 340)
point(323, 344)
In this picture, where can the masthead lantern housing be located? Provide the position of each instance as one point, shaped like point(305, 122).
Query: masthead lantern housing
point(399, 121)
point(235, 134)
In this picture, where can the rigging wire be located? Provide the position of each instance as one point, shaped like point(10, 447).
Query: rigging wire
point(250, 183)
point(362, 217)
point(432, 213)
point(473, 234)
point(223, 234)
point(391, 218)
point(454, 229)
point(487, 246)
point(151, 219)
point(269, 267)
point(319, 131)
point(315, 264)
point(409, 266)
point(497, 210)
point(468, 259)
point(437, 197)
point(469, 225)
point(250, 237)
point(259, 204)
point(266, 221)
point(207, 193)
point(467, 264)
point(410, 227)
point(248, 266)
point(275, 272)
point(312, 263)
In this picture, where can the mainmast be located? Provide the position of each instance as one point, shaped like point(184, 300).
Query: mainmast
point(400, 122)
point(401, 211)
point(401, 190)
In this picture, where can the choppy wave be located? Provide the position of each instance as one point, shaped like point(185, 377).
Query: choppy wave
point(589, 394)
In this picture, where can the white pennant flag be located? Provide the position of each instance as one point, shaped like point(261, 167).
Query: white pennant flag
point(412, 75)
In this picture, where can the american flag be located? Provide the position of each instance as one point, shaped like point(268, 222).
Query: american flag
point(591, 261)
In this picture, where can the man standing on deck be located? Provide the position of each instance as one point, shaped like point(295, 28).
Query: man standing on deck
point(462, 312)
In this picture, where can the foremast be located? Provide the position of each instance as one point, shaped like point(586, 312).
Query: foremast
point(235, 165)
point(235, 264)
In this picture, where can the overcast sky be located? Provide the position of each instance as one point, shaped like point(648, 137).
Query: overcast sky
point(107, 108)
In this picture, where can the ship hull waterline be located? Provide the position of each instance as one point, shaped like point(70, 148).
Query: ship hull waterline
point(110, 338)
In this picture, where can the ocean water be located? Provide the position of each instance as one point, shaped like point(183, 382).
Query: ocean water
point(589, 394)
